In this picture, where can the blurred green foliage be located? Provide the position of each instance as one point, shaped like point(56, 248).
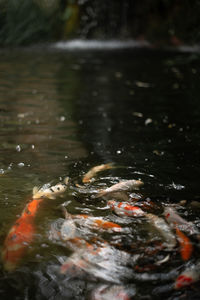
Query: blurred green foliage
point(162, 21)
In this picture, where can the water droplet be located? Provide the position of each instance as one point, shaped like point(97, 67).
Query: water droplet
point(62, 118)
point(2, 171)
point(21, 165)
point(131, 92)
point(148, 121)
point(118, 75)
point(18, 148)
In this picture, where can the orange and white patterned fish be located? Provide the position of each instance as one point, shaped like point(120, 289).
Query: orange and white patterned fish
point(92, 222)
point(188, 276)
point(116, 292)
point(177, 222)
point(173, 219)
point(125, 209)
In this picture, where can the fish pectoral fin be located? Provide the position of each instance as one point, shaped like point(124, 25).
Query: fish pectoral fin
point(66, 180)
point(51, 197)
point(35, 190)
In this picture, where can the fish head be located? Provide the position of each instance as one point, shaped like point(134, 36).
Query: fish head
point(58, 188)
point(111, 203)
point(139, 183)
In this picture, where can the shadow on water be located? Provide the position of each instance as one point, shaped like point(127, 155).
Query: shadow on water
point(61, 113)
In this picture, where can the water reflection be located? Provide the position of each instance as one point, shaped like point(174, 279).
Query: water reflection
point(64, 112)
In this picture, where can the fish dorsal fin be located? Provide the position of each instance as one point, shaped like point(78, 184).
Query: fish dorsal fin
point(66, 180)
point(35, 190)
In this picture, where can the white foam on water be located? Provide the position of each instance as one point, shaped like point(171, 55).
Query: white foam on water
point(99, 44)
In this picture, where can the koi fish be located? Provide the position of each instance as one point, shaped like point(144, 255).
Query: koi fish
point(99, 261)
point(20, 236)
point(174, 219)
point(164, 229)
point(93, 222)
point(127, 185)
point(125, 209)
point(186, 247)
point(92, 172)
point(188, 276)
point(117, 292)
point(99, 223)
point(50, 192)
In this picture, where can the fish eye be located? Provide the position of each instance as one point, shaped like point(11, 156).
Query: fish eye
point(58, 188)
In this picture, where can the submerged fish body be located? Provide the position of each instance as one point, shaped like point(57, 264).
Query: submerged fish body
point(164, 229)
point(103, 261)
point(174, 219)
point(116, 292)
point(177, 223)
point(127, 185)
point(98, 223)
point(186, 247)
point(68, 230)
point(19, 237)
point(125, 209)
point(92, 222)
point(189, 276)
point(92, 172)
point(50, 192)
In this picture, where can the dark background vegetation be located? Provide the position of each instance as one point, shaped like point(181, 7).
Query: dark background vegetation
point(159, 21)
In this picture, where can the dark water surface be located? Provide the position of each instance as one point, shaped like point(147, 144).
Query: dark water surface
point(63, 112)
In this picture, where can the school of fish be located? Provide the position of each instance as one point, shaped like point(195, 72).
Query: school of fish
point(94, 256)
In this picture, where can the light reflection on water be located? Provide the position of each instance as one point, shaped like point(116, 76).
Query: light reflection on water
point(62, 113)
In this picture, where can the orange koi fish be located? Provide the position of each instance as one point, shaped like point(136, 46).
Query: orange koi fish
point(99, 223)
point(20, 236)
point(186, 247)
point(92, 172)
point(125, 209)
point(188, 276)
point(127, 185)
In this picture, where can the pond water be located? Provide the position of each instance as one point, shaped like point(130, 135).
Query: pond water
point(63, 112)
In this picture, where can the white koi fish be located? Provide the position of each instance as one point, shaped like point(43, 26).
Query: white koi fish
point(127, 185)
point(50, 192)
point(164, 230)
